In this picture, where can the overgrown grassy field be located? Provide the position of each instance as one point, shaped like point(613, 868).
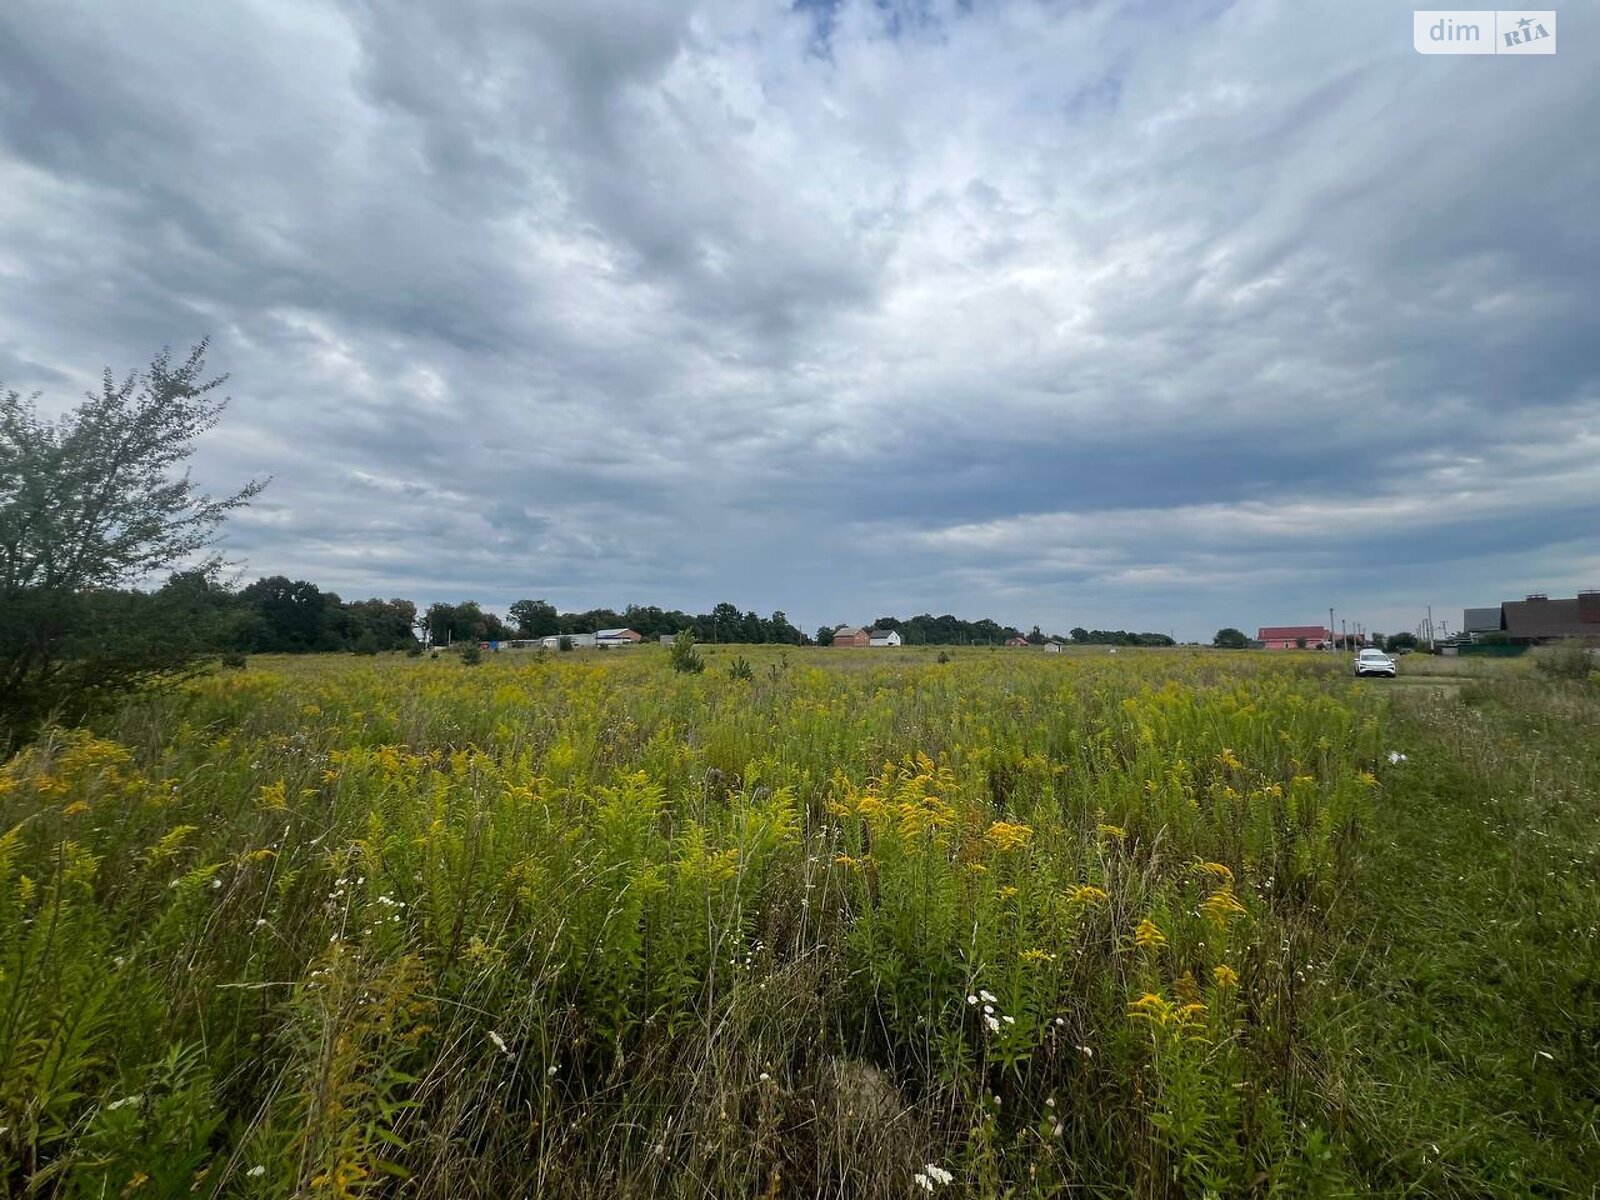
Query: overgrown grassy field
point(1153, 924)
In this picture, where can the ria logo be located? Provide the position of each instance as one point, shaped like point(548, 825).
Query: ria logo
point(1527, 31)
point(1483, 31)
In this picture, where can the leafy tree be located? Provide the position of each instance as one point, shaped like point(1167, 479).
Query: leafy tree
point(91, 505)
point(439, 623)
point(464, 622)
point(726, 623)
point(535, 618)
point(825, 635)
point(1401, 641)
point(385, 624)
point(778, 629)
point(1229, 638)
point(287, 615)
point(752, 629)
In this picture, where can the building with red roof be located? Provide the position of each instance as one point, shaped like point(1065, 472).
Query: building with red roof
point(1294, 637)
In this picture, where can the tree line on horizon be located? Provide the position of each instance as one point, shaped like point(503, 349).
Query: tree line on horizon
point(278, 615)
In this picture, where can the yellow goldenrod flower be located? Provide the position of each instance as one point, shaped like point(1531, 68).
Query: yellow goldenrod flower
point(1221, 905)
point(1221, 870)
point(1147, 936)
point(1007, 835)
point(1225, 976)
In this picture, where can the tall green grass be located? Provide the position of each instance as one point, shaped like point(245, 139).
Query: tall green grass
point(589, 926)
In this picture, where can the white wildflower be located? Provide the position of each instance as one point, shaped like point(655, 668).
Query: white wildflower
point(987, 997)
point(994, 1025)
point(499, 1042)
point(922, 1181)
point(124, 1102)
point(972, 999)
point(937, 1173)
point(256, 1172)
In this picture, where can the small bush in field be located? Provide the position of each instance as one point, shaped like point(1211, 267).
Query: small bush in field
point(234, 660)
point(471, 654)
point(683, 655)
point(1566, 660)
point(741, 670)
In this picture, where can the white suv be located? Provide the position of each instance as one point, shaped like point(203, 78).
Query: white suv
point(1374, 662)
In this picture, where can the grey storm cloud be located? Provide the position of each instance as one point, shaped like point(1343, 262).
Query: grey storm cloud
point(1140, 314)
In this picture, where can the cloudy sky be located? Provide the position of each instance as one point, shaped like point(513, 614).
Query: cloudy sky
point(1160, 314)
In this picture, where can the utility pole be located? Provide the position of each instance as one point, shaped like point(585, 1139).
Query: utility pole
point(1430, 627)
point(1330, 626)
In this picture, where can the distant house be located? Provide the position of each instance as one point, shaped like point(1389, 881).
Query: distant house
point(1292, 637)
point(1052, 647)
point(1541, 619)
point(1016, 641)
point(883, 637)
point(616, 637)
point(851, 635)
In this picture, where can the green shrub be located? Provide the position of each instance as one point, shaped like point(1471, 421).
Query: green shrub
point(471, 654)
point(685, 658)
point(740, 669)
point(1565, 660)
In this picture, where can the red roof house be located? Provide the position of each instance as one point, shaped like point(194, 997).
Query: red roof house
point(1292, 637)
